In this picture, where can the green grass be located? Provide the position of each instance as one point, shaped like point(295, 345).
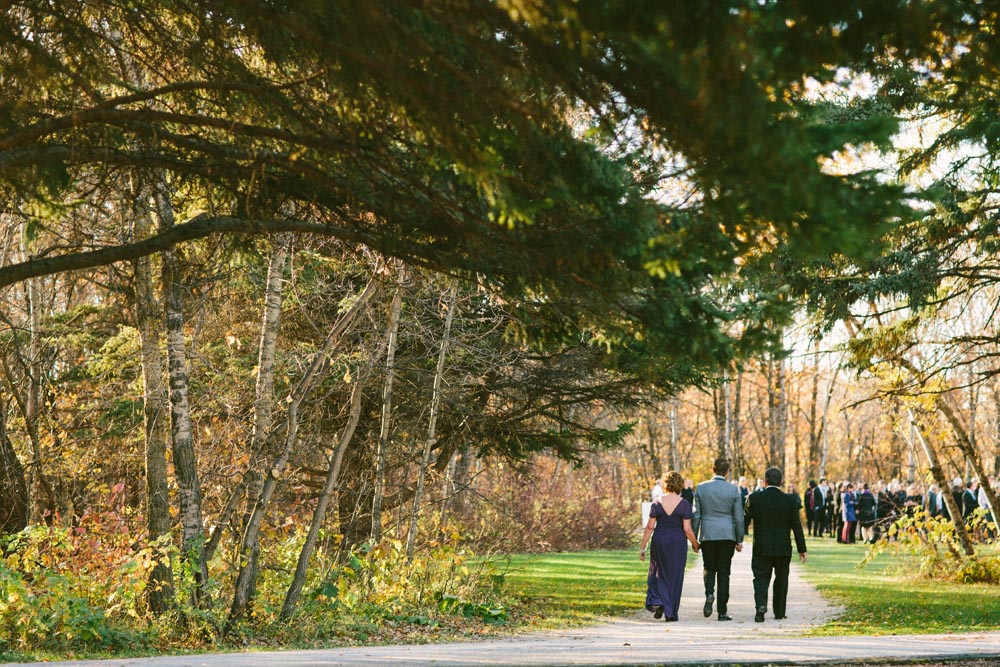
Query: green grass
point(566, 589)
point(882, 598)
point(572, 589)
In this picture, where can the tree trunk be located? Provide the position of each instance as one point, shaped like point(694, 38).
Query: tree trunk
point(181, 433)
point(392, 329)
point(332, 478)
point(13, 488)
point(942, 481)
point(675, 459)
point(719, 412)
point(154, 412)
point(814, 423)
point(737, 450)
point(970, 450)
point(250, 543)
point(777, 413)
point(652, 448)
point(824, 439)
point(965, 443)
point(264, 388)
point(431, 424)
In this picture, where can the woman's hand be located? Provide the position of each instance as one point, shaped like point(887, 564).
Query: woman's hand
point(642, 555)
point(696, 546)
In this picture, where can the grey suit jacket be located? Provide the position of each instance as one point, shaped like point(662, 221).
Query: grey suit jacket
point(718, 511)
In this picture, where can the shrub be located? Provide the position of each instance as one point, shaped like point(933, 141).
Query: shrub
point(934, 550)
point(556, 508)
point(64, 587)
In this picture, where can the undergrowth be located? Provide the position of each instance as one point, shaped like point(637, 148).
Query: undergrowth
point(931, 549)
point(81, 591)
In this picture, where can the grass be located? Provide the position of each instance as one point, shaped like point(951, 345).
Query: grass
point(882, 598)
point(570, 589)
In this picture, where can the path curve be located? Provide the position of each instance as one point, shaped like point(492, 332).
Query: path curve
point(634, 640)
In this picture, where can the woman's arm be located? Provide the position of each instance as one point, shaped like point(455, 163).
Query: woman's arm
point(650, 526)
point(689, 533)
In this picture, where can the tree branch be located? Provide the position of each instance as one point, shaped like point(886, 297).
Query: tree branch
point(196, 228)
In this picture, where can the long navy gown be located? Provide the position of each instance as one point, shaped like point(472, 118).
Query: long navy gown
point(667, 558)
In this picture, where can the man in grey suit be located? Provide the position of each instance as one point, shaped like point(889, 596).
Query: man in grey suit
point(718, 525)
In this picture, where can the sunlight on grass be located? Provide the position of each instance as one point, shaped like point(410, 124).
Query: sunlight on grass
point(882, 598)
point(564, 589)
point(571, 589)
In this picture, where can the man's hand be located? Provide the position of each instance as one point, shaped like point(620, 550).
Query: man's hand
point(739, 546)
point(802, 556)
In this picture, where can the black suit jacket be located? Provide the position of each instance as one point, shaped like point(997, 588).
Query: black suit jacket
point(774, 515)
point(818, 500)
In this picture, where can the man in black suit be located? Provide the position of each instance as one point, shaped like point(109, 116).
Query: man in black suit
point(809, 501)
point(773, 514)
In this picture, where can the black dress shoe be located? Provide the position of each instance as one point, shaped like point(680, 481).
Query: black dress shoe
point(725, 617)
point(670, 619)
point(759, 617)
point(778, 618)
point(709, 600)
point(658, 611)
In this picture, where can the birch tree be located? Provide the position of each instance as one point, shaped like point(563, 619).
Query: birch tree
point(181, 434)
point(149, 318)
point(435, 406)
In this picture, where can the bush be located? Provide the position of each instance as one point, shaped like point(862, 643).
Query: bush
point(83, 590)
point(935, 552)
point(66, 587)
point(555, 508)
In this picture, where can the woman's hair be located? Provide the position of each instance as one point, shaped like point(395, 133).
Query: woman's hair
point(673, 482)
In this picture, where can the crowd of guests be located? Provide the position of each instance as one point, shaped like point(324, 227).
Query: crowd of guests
point(857, 511)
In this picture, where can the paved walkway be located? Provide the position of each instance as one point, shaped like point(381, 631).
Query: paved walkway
point(636, 640)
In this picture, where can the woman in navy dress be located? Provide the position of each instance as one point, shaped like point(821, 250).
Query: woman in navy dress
point(670, 527)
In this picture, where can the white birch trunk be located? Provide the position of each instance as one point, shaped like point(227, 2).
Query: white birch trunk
point(383, 439)
point(249, 549)
point(431, 425)
point(264, 387)
point(155, 410)
point(181, 433)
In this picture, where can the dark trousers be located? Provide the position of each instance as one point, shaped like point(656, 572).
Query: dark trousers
point(717, 557)
point(762, 567)
point(819, 522)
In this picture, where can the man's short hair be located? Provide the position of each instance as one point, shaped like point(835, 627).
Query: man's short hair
point(721, 465)
point(773, 476)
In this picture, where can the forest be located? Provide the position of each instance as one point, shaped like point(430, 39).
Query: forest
point(307, 307)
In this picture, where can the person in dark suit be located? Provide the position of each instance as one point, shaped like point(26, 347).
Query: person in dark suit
point(773, 515)
point(809, 501)
point(823, 504)
point(932, 501)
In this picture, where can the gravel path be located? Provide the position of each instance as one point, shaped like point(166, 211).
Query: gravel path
point(641, 640)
